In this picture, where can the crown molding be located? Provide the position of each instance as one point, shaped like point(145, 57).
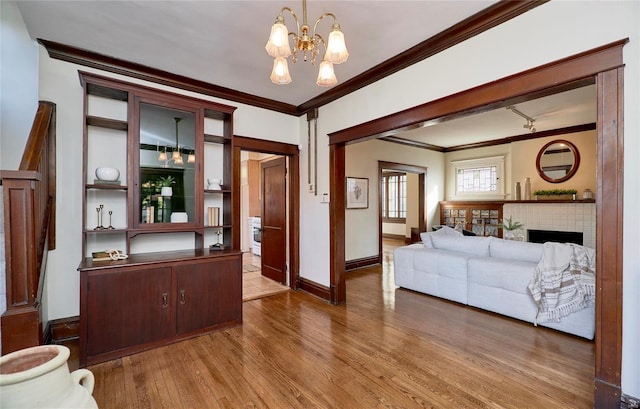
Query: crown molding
point(490, 17)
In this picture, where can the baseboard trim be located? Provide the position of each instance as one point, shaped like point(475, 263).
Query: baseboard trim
point(606, 395)
point(394, 236)
point(62, 329)
point(314, 288)
point(362, 262)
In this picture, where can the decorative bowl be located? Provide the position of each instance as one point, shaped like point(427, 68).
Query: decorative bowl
point(107, 174)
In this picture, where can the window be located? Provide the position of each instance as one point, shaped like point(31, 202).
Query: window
point(394, 197)
point(478, 178)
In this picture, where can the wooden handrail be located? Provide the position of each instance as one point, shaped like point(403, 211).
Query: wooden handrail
point(29, 195)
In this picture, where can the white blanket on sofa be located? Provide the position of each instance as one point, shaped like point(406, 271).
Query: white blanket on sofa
point(563, 281)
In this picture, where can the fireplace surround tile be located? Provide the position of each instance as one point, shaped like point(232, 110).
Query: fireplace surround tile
point(578, 217)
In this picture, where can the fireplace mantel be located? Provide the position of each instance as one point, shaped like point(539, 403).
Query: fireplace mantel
point(578, 201)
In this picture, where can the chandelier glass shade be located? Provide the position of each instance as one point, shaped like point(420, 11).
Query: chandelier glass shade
point(308, 43)
point(176, 153)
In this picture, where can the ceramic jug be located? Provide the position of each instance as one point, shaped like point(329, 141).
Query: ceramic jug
point(38, 377)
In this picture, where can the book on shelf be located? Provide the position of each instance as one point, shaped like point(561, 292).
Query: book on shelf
point(213, 216)
point(100, 256)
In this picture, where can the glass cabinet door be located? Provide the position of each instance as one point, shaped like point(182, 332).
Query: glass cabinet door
point(167, 165)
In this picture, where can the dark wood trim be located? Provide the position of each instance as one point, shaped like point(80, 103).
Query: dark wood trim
point(524, 137)
point(294, 220)
point(265, 146)
point(548, 78)
point(337, 207)
point(314, 288)
point(393, 236)
point(292, 152)
point(364, 261)
point(484, 20)
point(413, 144)
point(480, 22)
point(62, 329)
point(609, 246)
point(605, 63)
point(117, 66)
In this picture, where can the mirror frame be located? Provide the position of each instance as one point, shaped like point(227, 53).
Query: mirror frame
point(573, 169)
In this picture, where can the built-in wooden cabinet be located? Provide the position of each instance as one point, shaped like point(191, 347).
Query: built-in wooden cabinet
point(128, 127)
point(479, 217)
point(156, 298)
point(167, 148)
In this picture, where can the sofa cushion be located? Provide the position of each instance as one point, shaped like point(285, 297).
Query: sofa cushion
point(443, 231)
point(477, 246)
point(510, 275)
point(515, 250)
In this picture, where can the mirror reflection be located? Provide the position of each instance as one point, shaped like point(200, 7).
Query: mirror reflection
point(557, 161)
point(167, 165)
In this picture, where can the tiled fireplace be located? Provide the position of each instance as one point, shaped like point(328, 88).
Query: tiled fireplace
point(576, 217)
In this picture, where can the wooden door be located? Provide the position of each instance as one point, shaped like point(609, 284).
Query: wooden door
point(129, 308)
point(274, 219)
point(208, 294)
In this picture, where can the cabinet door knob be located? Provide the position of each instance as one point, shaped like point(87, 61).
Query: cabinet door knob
point(182, 297)
point(165, 297)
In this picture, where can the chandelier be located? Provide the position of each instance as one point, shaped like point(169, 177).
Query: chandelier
point(176, 155)
point(307, 43)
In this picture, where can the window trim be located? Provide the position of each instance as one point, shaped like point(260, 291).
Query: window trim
point(497, 161)
point(398, 220)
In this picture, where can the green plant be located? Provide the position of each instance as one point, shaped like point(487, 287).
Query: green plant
point(555, 192)
point(166, 181)
point(509, 224)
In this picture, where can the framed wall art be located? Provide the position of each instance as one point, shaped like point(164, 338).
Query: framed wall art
point(357, 193)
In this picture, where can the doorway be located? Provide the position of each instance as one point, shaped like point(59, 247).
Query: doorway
point(251, 194)
point(421, 193)
point(602, 66)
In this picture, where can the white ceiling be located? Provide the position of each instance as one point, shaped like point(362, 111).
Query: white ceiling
point(222, 43)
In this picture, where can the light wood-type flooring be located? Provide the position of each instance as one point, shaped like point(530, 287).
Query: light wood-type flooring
point(386, 347)
point(254, 284)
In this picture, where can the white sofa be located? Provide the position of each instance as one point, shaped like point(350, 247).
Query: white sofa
point(483, 272)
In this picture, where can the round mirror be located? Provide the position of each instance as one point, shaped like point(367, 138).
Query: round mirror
point(557, 161)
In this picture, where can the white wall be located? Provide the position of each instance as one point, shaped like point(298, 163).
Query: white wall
point(361, 160)
point(515, 46)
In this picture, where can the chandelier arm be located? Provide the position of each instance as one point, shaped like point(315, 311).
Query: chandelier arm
point(295, 18)
point(335, 20)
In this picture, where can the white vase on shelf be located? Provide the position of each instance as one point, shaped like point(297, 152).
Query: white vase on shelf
point(214, 184)
point(166, 191)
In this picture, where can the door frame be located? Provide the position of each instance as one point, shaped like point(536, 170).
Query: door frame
point(292, 152)
point(603, 66)
point(421, 171)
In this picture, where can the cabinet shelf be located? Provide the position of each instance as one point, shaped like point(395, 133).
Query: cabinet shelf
point(97, 186)
point(216, 139)
point(107, 123)
point(218, 191)
point(224, 226)
point(106, 231)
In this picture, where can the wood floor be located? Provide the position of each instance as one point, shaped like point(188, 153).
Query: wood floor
point(386, 347)
point(254, 284)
